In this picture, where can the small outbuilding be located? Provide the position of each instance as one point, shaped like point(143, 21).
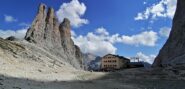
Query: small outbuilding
point(136, 64)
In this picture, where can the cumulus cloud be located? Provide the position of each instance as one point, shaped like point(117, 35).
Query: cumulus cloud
point(165, 31)
point(164, 8)
point(147, 38)
point(8, 18)
point(73, 10)
point(20, 33)
point(101, 42)
point(95, 44)
point(146, 58)
point(102, 31)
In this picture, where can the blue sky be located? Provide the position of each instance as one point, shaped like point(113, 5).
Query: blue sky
point(142, 26)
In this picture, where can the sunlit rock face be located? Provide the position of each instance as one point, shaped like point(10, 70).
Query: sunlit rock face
point(173, 52)
point(53, 36)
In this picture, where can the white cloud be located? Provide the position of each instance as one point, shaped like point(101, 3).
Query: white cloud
point(144, 2)
point(24, 24)
point(95, 44)
point(171, 7)
point(20, 33)
point(115, 38)
point(102, 31)
point(164, 8)
point(165, 31)
point(9, 18)
point(145, 58)
point(101, 42)
point(146, 38)
point(73, 10)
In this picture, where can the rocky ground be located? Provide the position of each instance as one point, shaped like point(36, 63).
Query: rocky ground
point(27, 66)
point(125, 79)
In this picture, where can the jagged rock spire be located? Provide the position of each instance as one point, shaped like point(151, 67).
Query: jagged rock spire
point(46, 32)
point(35, 32)
point(65, 28)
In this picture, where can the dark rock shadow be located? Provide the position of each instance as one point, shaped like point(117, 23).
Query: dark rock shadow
point(113, 80)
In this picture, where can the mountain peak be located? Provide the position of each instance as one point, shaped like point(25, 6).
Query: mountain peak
point(46, 32)
point(42, 9)
point(65, 28)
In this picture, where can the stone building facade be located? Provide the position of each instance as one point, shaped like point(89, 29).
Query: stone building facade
point(114, 62)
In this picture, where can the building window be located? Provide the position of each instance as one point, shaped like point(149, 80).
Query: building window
point(105, 66)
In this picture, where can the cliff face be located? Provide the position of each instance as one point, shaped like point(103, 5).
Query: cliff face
point(46, 32)
point(173, 52)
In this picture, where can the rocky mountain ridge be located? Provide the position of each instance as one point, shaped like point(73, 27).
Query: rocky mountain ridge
point(47, 34)
point(173, 52)
point(53, 36)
